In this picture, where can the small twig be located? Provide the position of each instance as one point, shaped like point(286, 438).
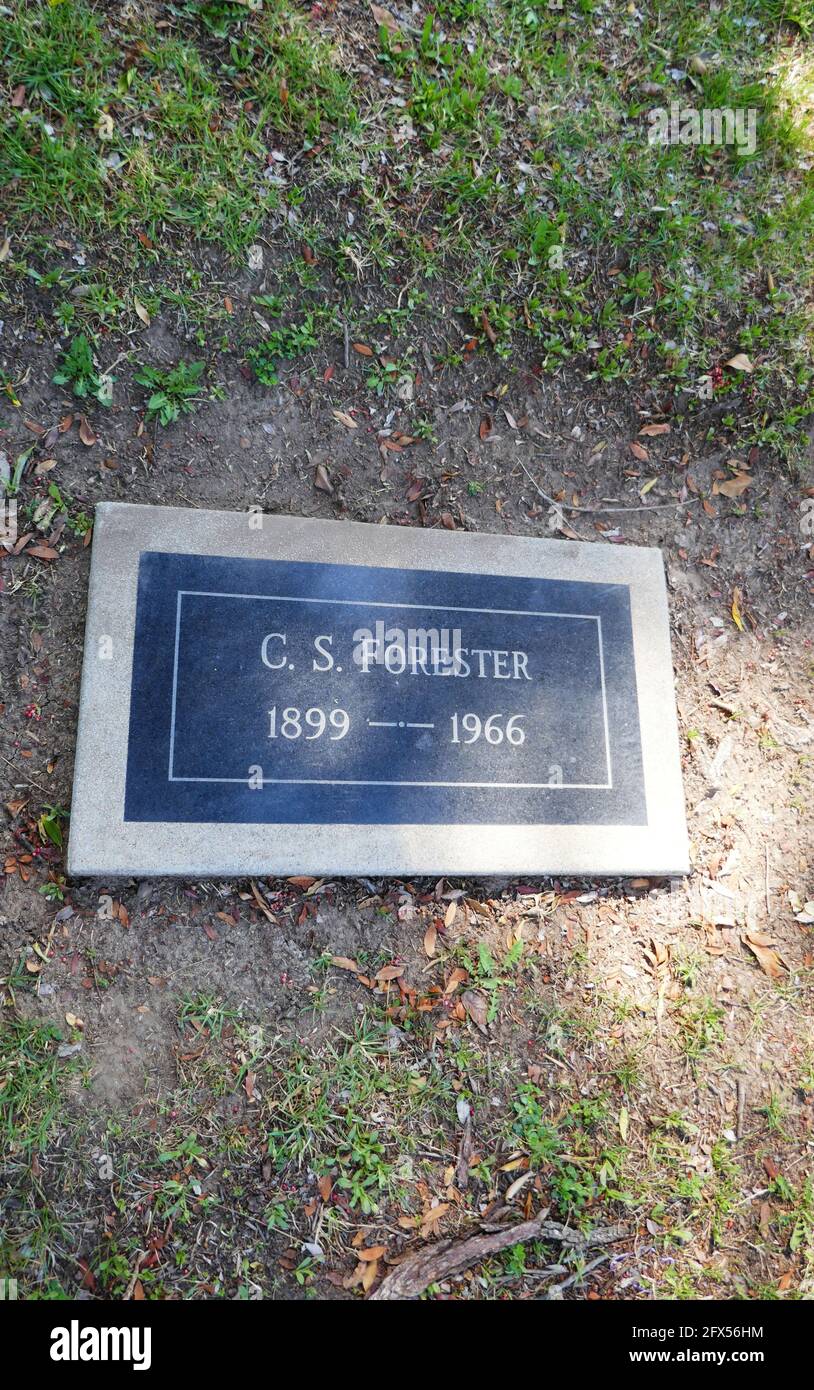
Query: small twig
point(592, 511)
point(464, 1155)
point(557, 1289)
point(30, 780)
point(753, 1196)
point(740, 1086)
point(347, 346)
point(557, 1061)
point(140, 1258)
point(114, 365)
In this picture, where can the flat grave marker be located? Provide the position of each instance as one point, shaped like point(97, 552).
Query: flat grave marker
point(273, 695)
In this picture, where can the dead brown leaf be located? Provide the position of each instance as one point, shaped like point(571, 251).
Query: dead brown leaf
point(86, 432)
point(762, 948)
point(261, 903)
point(345, 963)
point(476, 1007)
point(456, 978)
point(383, 16)
point(733, 487)
point(321, 479)
point(388, 973)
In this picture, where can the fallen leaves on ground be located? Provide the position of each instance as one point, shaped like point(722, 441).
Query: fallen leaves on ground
point(345, 419)
point(321, 479)
point(477, 1007)
point(764, 949)
point(345, 963)
point(733, 487)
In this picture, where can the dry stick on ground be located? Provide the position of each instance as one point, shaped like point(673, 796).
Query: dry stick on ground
point(29, 780)
point(464, 1155)
point(447, 1257)
point(556, 1290)
point(592, 511)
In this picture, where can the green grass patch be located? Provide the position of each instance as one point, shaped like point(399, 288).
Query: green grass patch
point(497, 146)
point(31, 1080)
point(128, 126)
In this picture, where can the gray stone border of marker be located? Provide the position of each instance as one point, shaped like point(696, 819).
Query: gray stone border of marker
point(103, 844)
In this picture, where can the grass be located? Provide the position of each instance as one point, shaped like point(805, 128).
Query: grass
point(185, 146)
point(298, 1153)
point(204, 1013)
point(31, 1075)
point(321, 1114)
point(287, 342)
point(516, 170)
point(700, 1028)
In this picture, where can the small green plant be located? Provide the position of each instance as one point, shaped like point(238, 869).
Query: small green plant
point(802, 1225)
point(774, 1112)
point(17, 979)
point(204, 1011)
point(42, 511)
point(688, 963)
point(49, 826)
point(189, 1148)
point(533, 1129)
point(305, 1270)
point(78, 371)
point(383, 375)
point(174, 392)
point(219, 16)
point(54, 892)
point(363, 1170)
point(701, 1027)
point(277, 1216)
point(286, 342)
point(514, 1261)
point(488, 976)
point(272, 303)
